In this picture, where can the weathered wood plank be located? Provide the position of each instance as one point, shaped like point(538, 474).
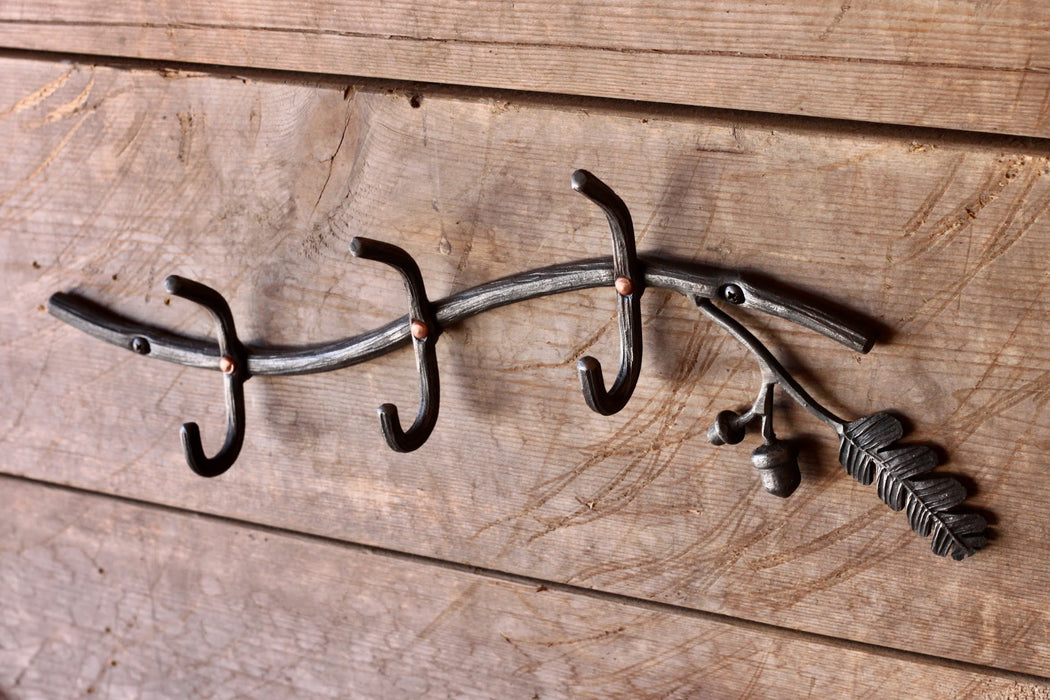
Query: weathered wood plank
point(115, 600)
point(117, 178)
point(894, 61)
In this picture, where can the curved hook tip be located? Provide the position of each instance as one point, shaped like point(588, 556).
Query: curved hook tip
point(173, 284)
point(177, 284)
point(387, 411)
point(579, 179)
point(589, 365)
point(357, 245)
point(199, 463)
point(396, 438)
point(594, 188)
point(593, 385)
point(190, 436)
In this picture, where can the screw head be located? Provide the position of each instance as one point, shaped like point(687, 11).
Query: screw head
point(733, 294)
point(227, 365)
point(140, 345)
point(419, 330)
point(624, 286)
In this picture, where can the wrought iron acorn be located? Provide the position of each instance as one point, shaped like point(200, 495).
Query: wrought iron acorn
point(777, 465)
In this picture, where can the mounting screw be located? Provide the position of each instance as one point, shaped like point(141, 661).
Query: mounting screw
point(733, 294)
point(140, 345)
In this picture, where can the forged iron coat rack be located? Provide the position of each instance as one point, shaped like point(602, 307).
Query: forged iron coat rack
point(868, 446)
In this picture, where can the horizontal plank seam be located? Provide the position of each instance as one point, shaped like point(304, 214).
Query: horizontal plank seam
point(520, 579)
point(970, 138)
point(635, 50)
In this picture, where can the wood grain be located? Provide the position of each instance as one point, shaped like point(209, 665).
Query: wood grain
point(115, 178)
point(962, 65)
point(107, 599)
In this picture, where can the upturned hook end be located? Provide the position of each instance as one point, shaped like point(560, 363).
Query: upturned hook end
point(190, 435)
point(593, 385)
point(579, 180)
point(396, 437)
point(173, 284)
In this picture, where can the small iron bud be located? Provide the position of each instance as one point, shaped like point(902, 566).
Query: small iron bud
point(727, 429)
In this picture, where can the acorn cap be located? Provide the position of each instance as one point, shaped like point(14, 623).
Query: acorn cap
point(777, 465)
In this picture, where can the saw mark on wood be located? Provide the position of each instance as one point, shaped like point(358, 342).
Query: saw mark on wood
point(647, 460)
point(37, 380)
point(39, 95)
point(1036, 389)
point(996, 244)
point(453, 608)
point(990, 380)
point(950, 225)
point(49, 159)
point(132, 133)
point(650, 456)
point(918, 219)
point(869, 557)
point(854, 525)
point(836, 20)
point(74, 106)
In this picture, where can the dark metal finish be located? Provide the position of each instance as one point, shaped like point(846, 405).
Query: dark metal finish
point(424, 338)
point(233, 356)
point(868, 448)
point(690, 279)
point(869, 451)
point(630, 285)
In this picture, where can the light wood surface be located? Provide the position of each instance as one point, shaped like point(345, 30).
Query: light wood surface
point(115, 178)
point(107, 599)
point(961, 65)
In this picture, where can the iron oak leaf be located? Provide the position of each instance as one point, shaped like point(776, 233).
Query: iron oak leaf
point(869, 452)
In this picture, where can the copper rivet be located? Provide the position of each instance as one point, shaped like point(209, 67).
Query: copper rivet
point(227, 365)
point(624, 286)
point(419, 330)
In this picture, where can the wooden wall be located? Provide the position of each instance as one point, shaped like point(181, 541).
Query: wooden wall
point(888, 156)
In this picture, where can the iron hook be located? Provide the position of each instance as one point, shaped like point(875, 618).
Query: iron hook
point(233, 362)
point(424, 329)
point(629, 287)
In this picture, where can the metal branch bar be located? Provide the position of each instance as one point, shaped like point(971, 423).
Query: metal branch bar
point(689, 279)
